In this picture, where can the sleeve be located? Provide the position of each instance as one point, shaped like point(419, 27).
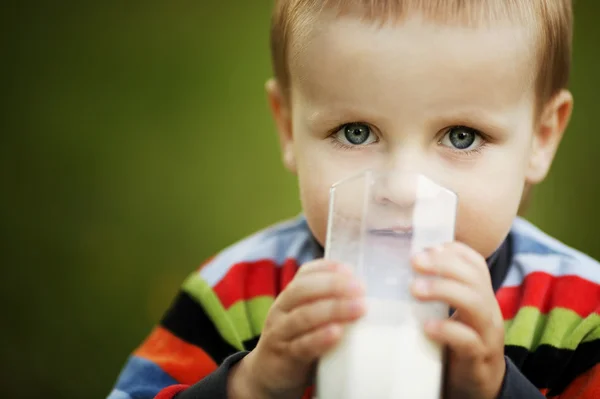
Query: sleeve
point(516, 385)
point(213, 386)
point(196, 334)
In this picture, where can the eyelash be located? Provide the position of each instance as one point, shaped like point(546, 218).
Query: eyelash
point(471, 152)
point(467, 153)
point(343, 146)
point(336, 143)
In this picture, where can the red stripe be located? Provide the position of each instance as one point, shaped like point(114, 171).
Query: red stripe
point(288, 271)
point(247, 280)
point(585, 386)
point(170, 392)
point(546, 292)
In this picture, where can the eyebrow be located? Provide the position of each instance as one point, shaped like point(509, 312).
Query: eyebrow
point(333, 114)
point(472, 117)
point(476, 118)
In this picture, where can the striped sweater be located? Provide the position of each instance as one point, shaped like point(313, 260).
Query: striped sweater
point(549, 295)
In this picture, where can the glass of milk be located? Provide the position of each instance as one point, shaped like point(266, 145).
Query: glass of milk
point(377, 220)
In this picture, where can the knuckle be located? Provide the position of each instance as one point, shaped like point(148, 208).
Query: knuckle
point(306, 268)
point(273, 317)
point(337, 284)
point(487, 351)
point(458, 246)
point(306, 347)
point(268, 323)
point(312, 266)
point(279, 347)
point(474, 301)
point(444, 247)
point(339, 309)
point(294, 348)
point(331, 310)
point(461, 249)
point(436, 286)
point(292, 286)
point(498, 326)
point(304, 318)
point(473, 350)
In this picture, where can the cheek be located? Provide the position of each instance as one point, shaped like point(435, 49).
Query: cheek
point(487, 209)
point(316, 174)
point(484, 221)
point(314, 195)
point(318, 168)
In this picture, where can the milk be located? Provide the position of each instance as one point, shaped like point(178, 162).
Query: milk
point(385, 355)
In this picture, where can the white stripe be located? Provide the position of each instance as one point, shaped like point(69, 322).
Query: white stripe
point(522, 226)
point(555, 265)
point(118, 394)
point(286, 240)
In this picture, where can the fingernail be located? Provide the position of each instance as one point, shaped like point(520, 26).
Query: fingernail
point(437, 248)
point(334, 331)
point(355, 287)
point(421, 286)
point(346, 269)
point(423, 260)
point(356, 307)
point(431, 326)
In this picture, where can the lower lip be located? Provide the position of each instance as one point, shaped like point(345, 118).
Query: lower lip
point(399, 233)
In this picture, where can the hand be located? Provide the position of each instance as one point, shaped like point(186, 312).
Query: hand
point(475, 332)
point(304, 322)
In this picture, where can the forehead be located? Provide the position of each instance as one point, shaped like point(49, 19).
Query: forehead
point(434, 63)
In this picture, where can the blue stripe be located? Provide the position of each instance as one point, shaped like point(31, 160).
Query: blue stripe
point(142, 379)
point(526, 244)
point(117, 394)
point(291, 239)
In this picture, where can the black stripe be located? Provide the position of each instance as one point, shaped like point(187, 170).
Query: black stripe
point(553, 368)
point(499, 263)
point(188, 321)
point(250, 344)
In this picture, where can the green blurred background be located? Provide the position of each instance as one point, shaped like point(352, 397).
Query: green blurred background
point(135, 142)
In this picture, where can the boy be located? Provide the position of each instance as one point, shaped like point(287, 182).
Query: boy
point(471, 93)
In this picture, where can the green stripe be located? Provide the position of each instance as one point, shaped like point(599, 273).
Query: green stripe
point(238, 316)
point(258, 309)
point(592, 324)
point(201, 291)
point(249, 316)
point(561, 328)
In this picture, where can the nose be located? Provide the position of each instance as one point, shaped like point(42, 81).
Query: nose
point(396, 189)
point(398, 181)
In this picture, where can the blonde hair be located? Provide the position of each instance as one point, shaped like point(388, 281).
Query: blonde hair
point(552, 20)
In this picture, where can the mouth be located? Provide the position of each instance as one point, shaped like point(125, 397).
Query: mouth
point(396, 231)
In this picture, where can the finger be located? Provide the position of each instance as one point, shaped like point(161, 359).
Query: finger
point(309, 347)
point(315, 286)
point(322, 265)
point(455, 261)
point(438, 262)
point(462, 339)
point(308, 317)
point(472, 308)
point(468, 253)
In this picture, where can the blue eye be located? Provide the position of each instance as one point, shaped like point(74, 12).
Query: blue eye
point(355, 134)
point(461, 138)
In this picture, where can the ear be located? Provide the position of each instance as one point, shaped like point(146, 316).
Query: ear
point(548, 134)
point(282, 116)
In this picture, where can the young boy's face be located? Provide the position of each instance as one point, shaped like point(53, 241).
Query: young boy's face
point(454, 103)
